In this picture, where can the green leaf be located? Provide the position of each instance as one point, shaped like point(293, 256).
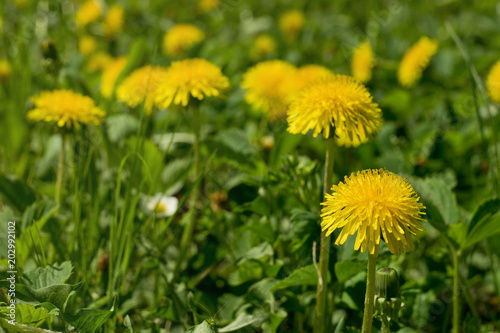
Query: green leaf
point(128, 324)
point(50, 156)
point(47, 276)
point(457, 233)
point(306, 276)
point(37, 211)
point(488, 226)
point(346, 269)
point(284, 144)
point(484, 209)
point(29, 315)
point(89, 320)
point(244, 320)
point(55, 294)
point(204, 327)
point(21, 328)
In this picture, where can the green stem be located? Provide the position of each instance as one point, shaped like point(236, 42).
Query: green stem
point(60, 172)
point(188, 231)
point(456, 293)
point(324, 252)
point(370, 293)
point(385, 327)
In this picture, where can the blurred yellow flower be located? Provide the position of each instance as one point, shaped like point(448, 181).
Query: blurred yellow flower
point(268, 85)
point(140, 86)
point(113, 22)
point(291, 23)
point(178, 40)
point(89, 12)
point(336, 103)
point(305, 75)
point(195, 78)
point(208, 5)
point(99, 62)
point(5, 70)
point(493, 82)
point(262, 46)
point(1, 25)
point(415, 60)
point(362, 63)
point(87, 45)
point(375, 204)
point(110, 75)
point(66, 108)
point(21, 3)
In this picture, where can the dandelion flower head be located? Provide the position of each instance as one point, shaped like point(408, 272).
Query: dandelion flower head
point(66, 108)
point(89, 12)
point(493, 83)
point(335, 105)
point(113, 22)
point(362, 63)
point(110, 75)
point(188, 78)
point(140, 86)
point(268, 85)
point(291, 23)
point(416, 60)
point(375, 204)
point(178, 40)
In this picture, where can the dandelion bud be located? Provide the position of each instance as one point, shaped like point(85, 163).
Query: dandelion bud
point(387, 283)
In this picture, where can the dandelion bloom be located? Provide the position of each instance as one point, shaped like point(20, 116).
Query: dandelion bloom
point(415, 60)
point(208, 5)
point(180, 38)
point(87, 45)
point(493, 82)
point(262, 46)
point(374, 203)
point(99, 62)
point(268, 85)
point(336, 103)
point(66, 108)
point(89, 12)
point(110, 75)
point(362, 63)
point(191, 77)
point(113, 22)
point(5, 70)
point(291, 23)
point(140, 87)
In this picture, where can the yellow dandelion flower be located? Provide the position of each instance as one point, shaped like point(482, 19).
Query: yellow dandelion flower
point(110, 75)
point(336, 103)
point(268, 85)
point(262, 46)
point(66, 108)
point(291, 23)
point(87, 45)
point(493, 82)
point(362, 63)
point(415, 60)
point(5, 70)
point(99, 62)
point(180, 38)
point(140, 87)
point(113, 22)
point(195, 78)
point(305, 75)
point(375, 204)
point(208, 5)
point(89, 12)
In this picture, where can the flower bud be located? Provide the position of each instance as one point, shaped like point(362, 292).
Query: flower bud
point(387, 283)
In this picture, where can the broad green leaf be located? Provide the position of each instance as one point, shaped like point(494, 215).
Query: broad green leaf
point(204, 327)
point(120, 126)
point(47, 276)
point(284, 143)
point(274, 321)
point(27, 314)
point(346, 269)
point(55, 294)
point(50, 156)
point(37, 211)
point(457, 233)
point(6, 216)
point(306, 276)
point(488, 226)
point(244, 320)
point(484, 209)
point(89, 320)
point(128, 324)
point(5, 326)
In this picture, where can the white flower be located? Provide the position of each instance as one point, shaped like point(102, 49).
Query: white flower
point(162, 205)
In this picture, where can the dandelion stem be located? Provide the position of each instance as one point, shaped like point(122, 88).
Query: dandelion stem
point(324, 252)
point(188, 231)
point(370, 293)
point(60, 172)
